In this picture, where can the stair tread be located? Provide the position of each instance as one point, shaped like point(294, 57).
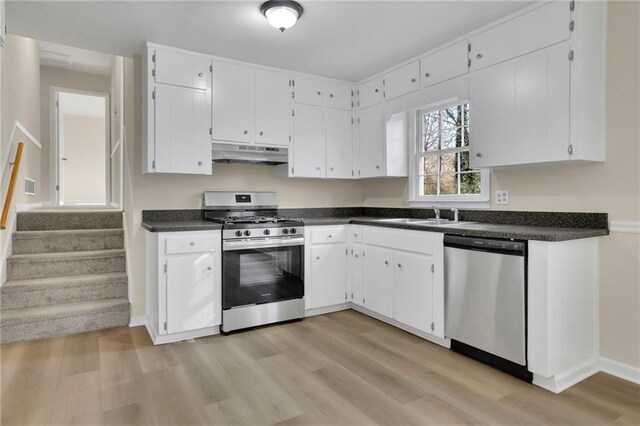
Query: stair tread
point(40, 313)
point(67, 232)
point(67, 255)
point(64, 281)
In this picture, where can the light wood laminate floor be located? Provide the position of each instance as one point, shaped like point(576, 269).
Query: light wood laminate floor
point(340, 368)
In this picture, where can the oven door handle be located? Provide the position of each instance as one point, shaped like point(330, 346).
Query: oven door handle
point(252, 244)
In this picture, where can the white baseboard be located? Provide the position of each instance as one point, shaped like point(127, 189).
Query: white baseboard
point(565, 380)
point(326, 309)
point(137, 320)
point(160, 339)
point(620, 369)
point(30, 206)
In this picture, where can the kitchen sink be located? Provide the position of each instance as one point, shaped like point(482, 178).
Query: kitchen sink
point(417, 221)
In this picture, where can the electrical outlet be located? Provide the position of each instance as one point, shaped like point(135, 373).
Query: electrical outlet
point(502, 197)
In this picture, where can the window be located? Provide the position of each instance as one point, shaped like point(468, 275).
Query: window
point(441, 170)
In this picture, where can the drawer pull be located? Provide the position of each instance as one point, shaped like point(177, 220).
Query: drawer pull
point(209, 268)
point(192, 243)
point(386, 262)
point(199, 74)
point(400, 265)
point(413, 80)
point(479, 56)
point(329, 236)
point(427, 74)
point(317, 257)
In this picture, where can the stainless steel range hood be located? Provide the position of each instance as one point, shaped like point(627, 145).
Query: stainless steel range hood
point(223, 153)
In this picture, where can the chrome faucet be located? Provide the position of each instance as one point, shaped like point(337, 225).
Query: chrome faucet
point(455, 214)
point(437, 212)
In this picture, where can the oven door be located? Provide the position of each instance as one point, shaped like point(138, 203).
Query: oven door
point(262, 271)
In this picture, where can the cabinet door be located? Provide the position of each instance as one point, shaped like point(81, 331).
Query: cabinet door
point(308, 142)
point(182, 143)
point(272, 109)
point(190, 292)
point(401, 81)
point(370, 142)
point(339, 140)
point(445, 64)
point(370, 93)
point(181, 69)
point(377, 279)
point(338, 96)
point(355, 271)
point(413, 285)
point(328, 275)
point(232, 109)
point(307, 91)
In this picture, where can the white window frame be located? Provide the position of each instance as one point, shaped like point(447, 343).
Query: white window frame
point(482, 200)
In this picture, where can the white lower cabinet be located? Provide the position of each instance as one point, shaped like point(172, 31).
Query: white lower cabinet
point(183, 285)
point(413, 289)
point(326, 257)
point(377, 278)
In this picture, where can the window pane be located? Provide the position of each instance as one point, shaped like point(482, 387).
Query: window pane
point(452, 117)
point(448, 184)
point(430, 165)
point(431, 142)
point(464, 161)
point(449, 163)
point(465, 136)
point(429, 185)
point(431, 122)
point(470, 183)
point(451, 138)
point(466, 114)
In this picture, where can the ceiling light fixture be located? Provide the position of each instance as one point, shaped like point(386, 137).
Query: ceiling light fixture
point(282, 14)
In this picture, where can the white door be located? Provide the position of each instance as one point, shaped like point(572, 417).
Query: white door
point(370, 142)
point(356, 294)
point(444, 64)
point(272, 108)
point(181, 69)
point(328, 275)
point(190, 292)
point(370, 93)
point(339, 140)
point(403, 80)
point(182, 141)
point(232, 105)
point(413, 285)
point(377, 279)
point(308, 142)
point(81, 153)
point(338, 96)
point(307, 91)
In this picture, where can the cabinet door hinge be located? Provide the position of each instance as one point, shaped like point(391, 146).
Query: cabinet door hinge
point(358, 119)
point(293, 95)
point(292, 171)
point(572, 5)
point(345, 295)
point(289, 138)
point(153, 72)
point(570, 149)
point(165, 326)
point(468, 63)
point(153, 166)
point(57, 187)
point(293, 112)
point(346, 252)
point(210, 68)
point(352, 172)
point(153, 94)
point(351, 104)
point(358, 103)
point(352, 119)
point(572, 25)
point(351, 296)
point(210, 131)
point(153, 57)
point(165, 265)
point(293, 83)
point(364, 300)
point(468, 47)
point(384, 82)
point(571, 55)
point(363, 254)
point(433, 327)
point(433, 268)
point(384, 94)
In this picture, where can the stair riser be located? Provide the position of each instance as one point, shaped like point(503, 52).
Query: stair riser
point(65, 243)
point(59, 268)
point(64, 326)
point(47, 221)
point(61, 295)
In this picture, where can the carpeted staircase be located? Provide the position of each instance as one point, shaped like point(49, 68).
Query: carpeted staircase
point(66, 275)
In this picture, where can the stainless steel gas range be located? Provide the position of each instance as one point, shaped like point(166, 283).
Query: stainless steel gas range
point(262, 259)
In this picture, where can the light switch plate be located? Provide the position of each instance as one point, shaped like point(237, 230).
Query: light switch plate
point(502, 197)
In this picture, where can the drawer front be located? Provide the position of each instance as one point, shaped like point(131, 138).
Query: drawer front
point(355, 234)
point(191, 243)
point(406, 240)
point(329, 235)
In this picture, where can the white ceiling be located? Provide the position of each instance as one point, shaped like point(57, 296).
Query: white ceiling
point(82, 105)
point(348, 40)
point(73, 58)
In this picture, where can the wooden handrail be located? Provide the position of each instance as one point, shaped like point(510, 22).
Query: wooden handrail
point(12, 186)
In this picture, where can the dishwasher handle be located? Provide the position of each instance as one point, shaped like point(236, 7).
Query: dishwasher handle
point(509, 247)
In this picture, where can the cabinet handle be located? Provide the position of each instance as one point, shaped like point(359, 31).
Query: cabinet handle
point(209, 268)
point(329, 236)
point(378, 167)
point(245, 132)
point(376, 90)
point(317, 257)
point(386, 262)
point(331, 95)
point(331, 168)
point(479, 56)
point(356, 256)
point(199, 163)
point(319, 93)
point(478, 154)
point(261, 133)
point(199, 74)
point(400, 265)
point(355, 235)
point(317, 168)
point(193, 243)
point(413, 80)
point(427, 74)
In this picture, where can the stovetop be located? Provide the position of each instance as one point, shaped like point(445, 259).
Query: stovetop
point(249, 220)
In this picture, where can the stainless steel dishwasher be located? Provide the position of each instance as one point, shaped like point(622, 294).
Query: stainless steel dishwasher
point(485, 301)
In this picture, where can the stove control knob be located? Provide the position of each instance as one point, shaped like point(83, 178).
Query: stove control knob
point(285, 231)
point(266, 232)
point(238, 233)
point(247, 233)
point(293, 230)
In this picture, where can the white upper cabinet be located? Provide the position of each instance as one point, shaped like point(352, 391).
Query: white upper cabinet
point(233, 102)
point(401, 81)
point(307, 91)
point(339, 143)
point(370, 93)
point(370, 143)
point(272, 108)
point(338, 96)
point(182, 142)
point(444, 64)
point(181, 69)
point(308, 150)
point(531, 31)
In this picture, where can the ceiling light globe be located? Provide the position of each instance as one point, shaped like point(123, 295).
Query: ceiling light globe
point(281, 14)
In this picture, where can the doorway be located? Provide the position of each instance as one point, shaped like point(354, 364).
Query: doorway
point(81, 147)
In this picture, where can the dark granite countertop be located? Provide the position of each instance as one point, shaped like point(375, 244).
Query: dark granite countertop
point(182, 225)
